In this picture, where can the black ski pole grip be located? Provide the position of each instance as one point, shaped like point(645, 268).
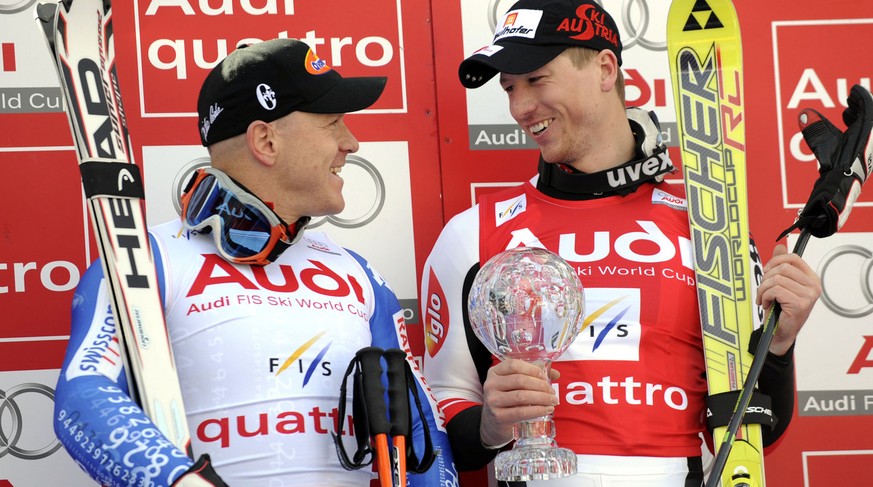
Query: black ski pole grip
point(398, 392)
point(374, 393)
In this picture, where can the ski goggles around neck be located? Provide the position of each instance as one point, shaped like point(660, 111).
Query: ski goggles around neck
point(245, 229)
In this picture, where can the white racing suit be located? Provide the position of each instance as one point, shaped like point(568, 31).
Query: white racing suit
point(260, 352)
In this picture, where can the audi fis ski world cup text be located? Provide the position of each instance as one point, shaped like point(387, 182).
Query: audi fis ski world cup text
point(319, 279)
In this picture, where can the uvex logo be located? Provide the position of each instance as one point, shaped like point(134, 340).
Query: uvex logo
point(318, 278)
point(622, 175)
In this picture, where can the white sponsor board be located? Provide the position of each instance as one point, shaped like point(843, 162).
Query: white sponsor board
point(834, 352)
point(30, 454)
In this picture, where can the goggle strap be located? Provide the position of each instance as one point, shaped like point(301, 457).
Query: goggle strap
point(280, 247)
point(296, 234)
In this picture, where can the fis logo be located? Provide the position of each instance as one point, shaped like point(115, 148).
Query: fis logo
point(314, 365)
point(614, 322)
point(611, 330)
point(507, 210)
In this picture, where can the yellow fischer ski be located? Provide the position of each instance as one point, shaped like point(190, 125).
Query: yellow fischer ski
point(705, 55)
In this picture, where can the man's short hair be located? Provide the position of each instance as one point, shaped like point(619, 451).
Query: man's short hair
point(581, 56)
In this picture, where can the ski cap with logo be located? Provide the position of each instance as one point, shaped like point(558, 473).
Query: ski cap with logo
point(268, 80)
point(533, 32)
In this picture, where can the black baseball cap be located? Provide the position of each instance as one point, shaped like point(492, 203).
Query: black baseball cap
point(533, 32)
point(270, 79)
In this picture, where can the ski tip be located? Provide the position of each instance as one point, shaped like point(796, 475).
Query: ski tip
point(45, 12)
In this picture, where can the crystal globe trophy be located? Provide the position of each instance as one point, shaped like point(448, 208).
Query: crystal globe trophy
point(528, 304)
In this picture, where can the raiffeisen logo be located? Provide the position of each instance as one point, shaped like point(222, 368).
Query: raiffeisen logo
point(365, 40)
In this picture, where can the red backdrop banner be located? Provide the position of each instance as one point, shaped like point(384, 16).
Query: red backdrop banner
point(428, 147)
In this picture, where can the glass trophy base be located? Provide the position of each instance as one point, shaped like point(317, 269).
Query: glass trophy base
point(524, 463)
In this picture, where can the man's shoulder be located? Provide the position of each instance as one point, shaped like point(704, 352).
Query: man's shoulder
point(174, 241)
point(169, 227)
point(676, 189)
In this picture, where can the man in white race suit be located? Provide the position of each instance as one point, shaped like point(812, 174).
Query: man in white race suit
point(263, 316)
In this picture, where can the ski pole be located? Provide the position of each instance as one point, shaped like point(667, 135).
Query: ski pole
point(374, 398)
point(751, 379)
point(398, 407)
point(847, 155)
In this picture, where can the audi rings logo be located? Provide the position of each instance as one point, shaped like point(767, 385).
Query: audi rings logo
point(636, 20)
point(15, 6)
point(182, 178)
point(364, 202)
point(13, 439)
point(840, 260)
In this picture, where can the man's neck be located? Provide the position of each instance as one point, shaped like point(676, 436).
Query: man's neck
point(614, 146)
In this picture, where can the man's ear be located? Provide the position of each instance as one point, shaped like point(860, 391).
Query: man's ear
point(608, 64)
point(261, 142)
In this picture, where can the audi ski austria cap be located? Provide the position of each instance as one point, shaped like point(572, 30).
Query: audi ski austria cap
point(533, 32)
point(268, 80)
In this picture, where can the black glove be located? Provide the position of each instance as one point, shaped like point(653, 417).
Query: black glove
point(200, 474)
point(845, 161)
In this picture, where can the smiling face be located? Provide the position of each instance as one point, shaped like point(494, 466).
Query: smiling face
point(313, 149)
point(572, 113)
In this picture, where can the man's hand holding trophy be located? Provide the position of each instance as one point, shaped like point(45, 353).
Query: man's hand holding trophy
point(528, 304)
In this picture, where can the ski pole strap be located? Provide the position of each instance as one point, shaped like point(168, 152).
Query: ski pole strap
point(755, 338)
point(106, 177)
point(363, 455)
point(720, 408)
point(369, 410)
